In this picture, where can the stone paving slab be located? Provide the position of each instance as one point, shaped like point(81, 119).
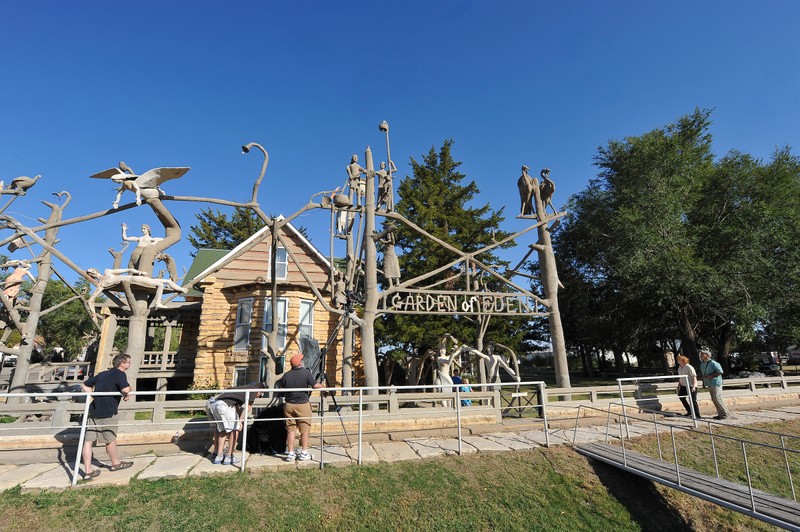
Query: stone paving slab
point(120, 478)
point(334, 455)
point(515, 442)
point(450, 446)
point(426, 447)
point(22, 474)
point(258, 462)
point(368, 454)
point(53, 479)
point(394, 451)
point(484, 445)
point(176, 466)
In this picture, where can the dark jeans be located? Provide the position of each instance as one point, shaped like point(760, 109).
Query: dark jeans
point(682, 394)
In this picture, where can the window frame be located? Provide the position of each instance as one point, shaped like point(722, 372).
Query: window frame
point(241, 341)
point(283, 324)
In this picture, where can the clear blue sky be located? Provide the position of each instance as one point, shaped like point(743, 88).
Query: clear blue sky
point(85, 84)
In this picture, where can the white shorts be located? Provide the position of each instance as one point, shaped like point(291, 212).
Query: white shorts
point(224, 415)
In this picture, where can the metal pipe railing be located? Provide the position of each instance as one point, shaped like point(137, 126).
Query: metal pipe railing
point(713, 437)
point(454, 398)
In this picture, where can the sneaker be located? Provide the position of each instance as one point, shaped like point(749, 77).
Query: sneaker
point(230, 460)
point(289, 457)
point(218, 459)
point(303, 456)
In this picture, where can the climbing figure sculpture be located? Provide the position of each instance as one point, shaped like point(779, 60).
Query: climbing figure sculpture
point(117, 280)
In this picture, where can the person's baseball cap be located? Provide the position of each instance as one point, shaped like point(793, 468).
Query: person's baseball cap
point(296, 360)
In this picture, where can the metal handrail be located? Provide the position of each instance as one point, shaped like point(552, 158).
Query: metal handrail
point(712, 435)
point(361, 392)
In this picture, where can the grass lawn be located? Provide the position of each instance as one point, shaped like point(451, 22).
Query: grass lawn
point(542, 489)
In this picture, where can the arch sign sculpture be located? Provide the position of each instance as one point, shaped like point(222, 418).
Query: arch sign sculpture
point(366, 194)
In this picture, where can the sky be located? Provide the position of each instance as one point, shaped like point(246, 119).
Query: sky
point(86, 84)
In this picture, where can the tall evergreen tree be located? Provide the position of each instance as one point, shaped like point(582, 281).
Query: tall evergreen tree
point(217, 231)
point(436, 199)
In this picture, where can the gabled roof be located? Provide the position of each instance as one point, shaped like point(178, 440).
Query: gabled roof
point(202, 261)
point(216, 259)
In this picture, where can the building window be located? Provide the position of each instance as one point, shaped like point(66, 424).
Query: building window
point(240, 376)
point(281, 263)
point(283, 318)
point(241, 339)
point(306, 319)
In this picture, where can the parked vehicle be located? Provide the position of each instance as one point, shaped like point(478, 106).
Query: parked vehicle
point(69, 373)
point(9, 360)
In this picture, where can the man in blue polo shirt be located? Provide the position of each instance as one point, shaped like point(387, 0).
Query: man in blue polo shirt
point(297, 409)
point(102, 424)
point(711, 372)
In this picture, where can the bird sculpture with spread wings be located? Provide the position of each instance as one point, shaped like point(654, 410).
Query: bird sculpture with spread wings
point(145, 186)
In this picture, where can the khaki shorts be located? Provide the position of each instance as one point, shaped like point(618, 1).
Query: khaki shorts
point(298, 416)
point(102, 430)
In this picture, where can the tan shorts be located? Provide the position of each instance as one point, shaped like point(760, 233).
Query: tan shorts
point(298, 416)
point(102, 430)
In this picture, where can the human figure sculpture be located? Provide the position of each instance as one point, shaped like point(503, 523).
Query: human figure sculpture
point(112, 277)
point(141, 242)
point(493, 361)
point(13, 282)
point(546, 190)
point(144, 186)
point(391, 266)
point(385, 191)
point(354, 181)
point(526, 185)
point(339, 291)
point(444, 361)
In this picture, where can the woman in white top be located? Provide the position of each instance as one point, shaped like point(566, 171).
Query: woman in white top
point(687, 369)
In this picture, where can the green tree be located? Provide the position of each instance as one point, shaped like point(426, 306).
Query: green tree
point(437, 199)
point(218, 231)
point(68, 326)
point(666, 238)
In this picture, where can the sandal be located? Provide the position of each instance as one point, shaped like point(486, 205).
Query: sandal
point(94, 474)
point(121, 465)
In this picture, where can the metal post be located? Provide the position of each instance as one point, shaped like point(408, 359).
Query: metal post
point(321, 431)
point(658, 437)
point(675, 455)
point(624, 411)
point(788, 470)
point(458, 416)
point(749, 482)
point(622, 440)
point(81, 439)
point(575, 432)
point(244, 429)
point(608, 423)
point(713, 448)
point(544, 414)
point(360, 421)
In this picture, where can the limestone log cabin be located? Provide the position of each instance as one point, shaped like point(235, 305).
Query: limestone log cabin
point(236, 293)
point(213, 339)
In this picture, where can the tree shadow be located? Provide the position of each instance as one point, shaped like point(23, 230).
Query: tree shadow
point(641, 498)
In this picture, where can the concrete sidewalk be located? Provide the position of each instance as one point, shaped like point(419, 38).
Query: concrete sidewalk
point(176, 464)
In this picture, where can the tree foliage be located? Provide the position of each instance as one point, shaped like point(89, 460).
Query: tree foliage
point(667, 241)
point(68, 326)
point(216, 230)
point(437, 199)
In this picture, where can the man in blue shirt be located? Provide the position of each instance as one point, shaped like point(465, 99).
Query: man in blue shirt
point(711, 372)
point(297, 409)
point(102, 424)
